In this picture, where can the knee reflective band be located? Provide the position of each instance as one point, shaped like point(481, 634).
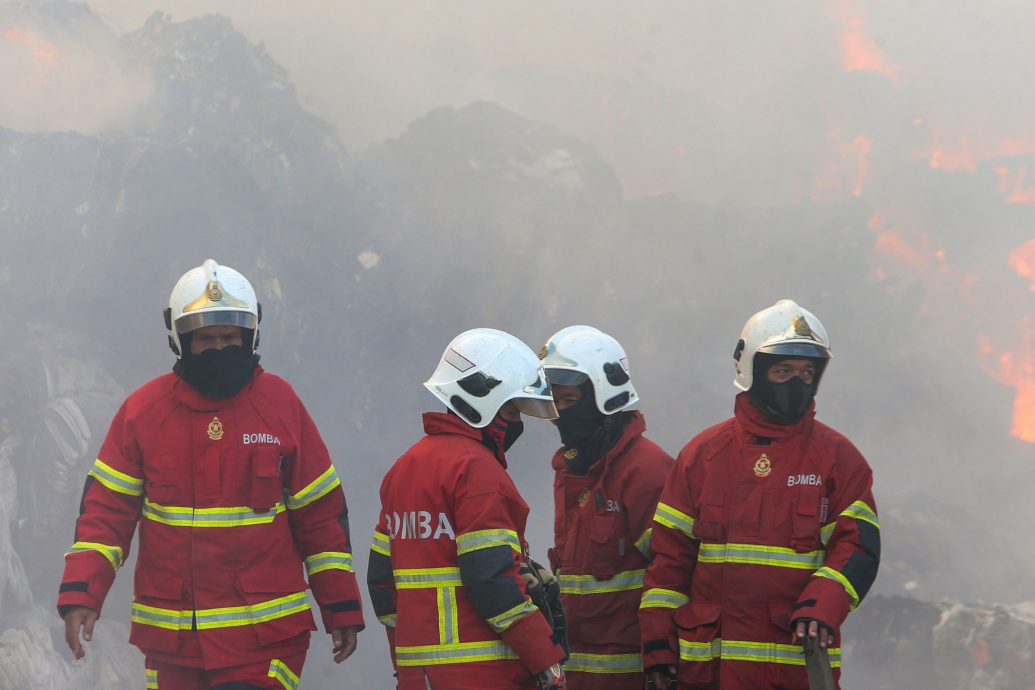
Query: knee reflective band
point(152, 679)
point(226, 617)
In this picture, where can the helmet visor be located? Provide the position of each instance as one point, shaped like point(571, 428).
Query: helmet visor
point(565, 377)
point(798, 349)
point(536, 407)
point(221, 317)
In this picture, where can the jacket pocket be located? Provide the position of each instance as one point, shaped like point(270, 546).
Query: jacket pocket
point(165, 481)
point(607, 618)
point(267, 488)
point(273, 597)
point(602, 550)
point(697, 626)
point(710, 526)
point(805, 521)
point(157, 605)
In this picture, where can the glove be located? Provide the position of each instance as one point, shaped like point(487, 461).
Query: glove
point(666, 677)
point(552, 679)
point(545, 592)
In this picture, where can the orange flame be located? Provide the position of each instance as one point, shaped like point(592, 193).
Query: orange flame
point(1017, 369)
point(44, 52)
point(859, 53)
point(1022, 260)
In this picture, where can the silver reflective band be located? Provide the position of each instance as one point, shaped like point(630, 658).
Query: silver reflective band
point(185, 516)
point(463, 652)
point(504, 620)
point(328, 560)
point(755, 554)
point(670, 517)
point(483, 539)
point(225, 617)
point(280, 671)
point(759, 652)
point(657, 598)
point(318, 488)
point(424, 578)
point(587, 584)
point(604, 663)
point(115, 480)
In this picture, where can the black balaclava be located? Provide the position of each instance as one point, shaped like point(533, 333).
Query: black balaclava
point(787, 402)
point(500, 434)
point(587, 431)
point(216, 373)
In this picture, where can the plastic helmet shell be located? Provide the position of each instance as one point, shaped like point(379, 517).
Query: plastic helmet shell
point(576, 354)
point(211, 295)
point(782, 329)
point(482, 369)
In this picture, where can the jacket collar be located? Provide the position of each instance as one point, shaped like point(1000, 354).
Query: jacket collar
point(190, 397)
point(754, 421)
point(445, 423)
point(636, 425)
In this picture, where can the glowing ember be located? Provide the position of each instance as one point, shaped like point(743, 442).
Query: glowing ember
point(858, 51)
point(42, 51)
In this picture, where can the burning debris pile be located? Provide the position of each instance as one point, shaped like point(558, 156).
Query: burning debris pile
point(369, 262)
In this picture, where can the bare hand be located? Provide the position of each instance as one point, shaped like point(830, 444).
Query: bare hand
point(814, 630)
point(344, 642)
point(79, 618)
point(656, 680)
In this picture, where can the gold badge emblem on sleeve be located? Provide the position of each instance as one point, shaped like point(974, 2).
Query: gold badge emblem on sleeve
point(215, 429)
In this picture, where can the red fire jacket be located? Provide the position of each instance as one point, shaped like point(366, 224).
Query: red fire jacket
point(760, 524)
point(602, 537)
point(233, 497)
point(444, 564)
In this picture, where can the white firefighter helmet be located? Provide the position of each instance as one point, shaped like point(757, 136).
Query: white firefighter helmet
point(212, 295)
point(482, 369)
point(577, 354)
point(782, 329)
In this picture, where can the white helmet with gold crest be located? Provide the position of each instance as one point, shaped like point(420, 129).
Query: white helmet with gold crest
point(212, 295)
point(784, 329)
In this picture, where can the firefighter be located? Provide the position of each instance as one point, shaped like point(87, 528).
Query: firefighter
point(766, 532)
point(235, 494)
point(606, 484)
point(449, 547)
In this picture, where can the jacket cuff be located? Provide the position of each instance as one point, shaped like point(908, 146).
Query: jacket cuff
point(824, 601)
point(659, 652)
point(532, 639)
point(68, 599)
point(342, 614)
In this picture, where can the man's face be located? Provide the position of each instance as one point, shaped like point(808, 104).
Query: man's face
point(214, 338)
point(786, 369)
point(565, 396)
point(510, 412)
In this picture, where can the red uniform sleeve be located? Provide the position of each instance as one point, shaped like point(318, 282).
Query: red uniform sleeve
point(667, 583)
point(852, 543)
point(319, 521)
point(489, 515)
point(108, 515)
point(381, 581)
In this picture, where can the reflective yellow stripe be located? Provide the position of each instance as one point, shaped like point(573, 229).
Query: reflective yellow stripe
point(328, 560)
point(658, 598)
point(382, 544)
point(825, 531)
point(643, 543)
point(152, 679)
point(486, 538)
point(280, 671)
point(756, 554)
point(112, 553)
point(448, 625)
point(388, 620)
point(225, 617)
point(587, 584)
point(832, 574)
point(427, 578)
point(739, 650)
point(115, 480)
point(231, 516)
point(860, 511)
point(460, 653)
point(603, 663)
point(502, 621)
point(676, 519)
point(318, 488)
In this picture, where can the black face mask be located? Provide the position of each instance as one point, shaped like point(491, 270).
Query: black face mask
point(218, 373)
point(785, 402)
point(580, 423)
point(514, 430)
